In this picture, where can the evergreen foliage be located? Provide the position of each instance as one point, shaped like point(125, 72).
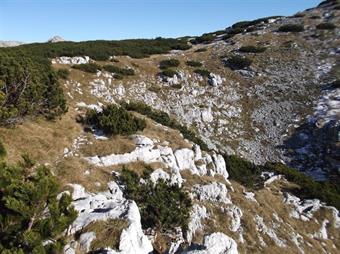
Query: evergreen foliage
point(200, 50)
point(114, 69)
point(162, 205)
point(243, 171)
point(88, 67)
point(238, 62)
point(252, 49)
point(308, 188)
point(326, 26)
point(249, 175)
point(204, 39)
point(295, 28)
point(202, 72)
point(101, 50)
point(63, 73)
point(28, 86)
point(168, 73)
point(115, 120)
point(194, 63)
point(32, 218)
point(164, 64)
point(165, 119)
point(3, 151)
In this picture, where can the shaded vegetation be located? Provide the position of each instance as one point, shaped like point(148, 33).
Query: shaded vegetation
point(114, 120)
point(88, 67)
point(168, 73)
point(325, 26)
point(201, 50)
point(244, 172)
point(3, 151)
point(336, 84)
point(194, 63)
point(309, 188)
point(102, 50)
point(162, 206)
point(202, 72)
point(249, 175)
point(120, 71)
point(164, 64)
point(28, 86)
point(238, 62)
point(164, 118)
point(26, 193)
point(63, 73)
point(204, 39)
point(252, 49)
point(295, 28)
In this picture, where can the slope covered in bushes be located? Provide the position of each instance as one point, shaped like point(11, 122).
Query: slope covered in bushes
point(26, 194)
point(28, 86)
point(165, 119)
point(249, 175)
point(162, 205)
point(115, 120)
point(102, 50)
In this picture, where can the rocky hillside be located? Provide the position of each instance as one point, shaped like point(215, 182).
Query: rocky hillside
point(154, 172)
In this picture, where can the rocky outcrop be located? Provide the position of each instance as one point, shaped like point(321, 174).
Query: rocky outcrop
point(71, 60)
point(198, 162)
point(215, 80)
point(216, 243)
point(215, 192)
point(110, 205)
point(197, 214)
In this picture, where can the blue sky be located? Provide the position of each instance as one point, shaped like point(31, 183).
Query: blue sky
point(38, 20)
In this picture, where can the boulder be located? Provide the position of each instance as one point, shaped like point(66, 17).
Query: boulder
point(197, 214)
point(216, 243)
point(207, 115)
point(214, 79)
point(216, 192)
point(85, 241)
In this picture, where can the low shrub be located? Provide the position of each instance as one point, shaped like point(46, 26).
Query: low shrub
point(164, 118)
point(201, 50)
point(336, 84)
point(89, 67)
point(164, 64)
point(325, 26)
point(295, 28)
point(204, 39)
point(28, 86)
point(162, 206)
point(168, 73)
point(252, 49)
point(238, 62)
point(63, 73)
point(3, 152)
point(27, 193)
point(118, 76)
point(194, 64)
point(244, 172)
point(114, 69)
point(299, 15)
point(308, 188)
point(249, 175)
point(202, 72)
point(315, 17)
point(115, 120)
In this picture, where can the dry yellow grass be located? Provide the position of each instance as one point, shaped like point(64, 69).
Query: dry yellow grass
point(43, 140)
point(107, 233)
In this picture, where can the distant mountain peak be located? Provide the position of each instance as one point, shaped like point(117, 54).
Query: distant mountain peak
point(56, 38)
